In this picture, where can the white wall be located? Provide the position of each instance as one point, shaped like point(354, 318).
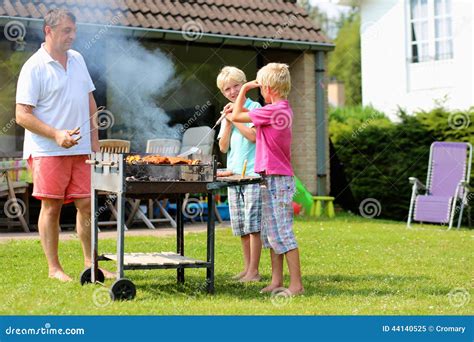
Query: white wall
point(389, 80)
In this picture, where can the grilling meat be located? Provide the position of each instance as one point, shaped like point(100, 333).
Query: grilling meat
point(225, 173)
point(159, 160)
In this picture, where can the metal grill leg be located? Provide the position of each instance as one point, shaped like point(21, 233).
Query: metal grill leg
point(210, 242)
point(120, 233)
point(94, 236)
point(180, 236)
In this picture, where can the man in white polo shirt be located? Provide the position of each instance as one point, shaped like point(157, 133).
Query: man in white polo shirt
point(54, 97)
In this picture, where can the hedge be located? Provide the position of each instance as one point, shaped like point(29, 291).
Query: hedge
point(379, 155)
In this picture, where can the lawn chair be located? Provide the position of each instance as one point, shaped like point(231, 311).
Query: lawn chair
point(191, 137)
point(447, 185)
point(164, 147)
point(13, 181)
point(114, 146)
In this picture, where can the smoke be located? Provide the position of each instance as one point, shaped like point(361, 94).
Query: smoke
point(136, 79)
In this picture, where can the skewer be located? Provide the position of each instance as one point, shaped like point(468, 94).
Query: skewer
point(74, 132)
point(218, 122)
point(244, 169)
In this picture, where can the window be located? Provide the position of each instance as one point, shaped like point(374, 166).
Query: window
point(430, 30)
point(443, 31)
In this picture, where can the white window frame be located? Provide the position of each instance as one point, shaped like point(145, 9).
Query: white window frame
point(431, 33)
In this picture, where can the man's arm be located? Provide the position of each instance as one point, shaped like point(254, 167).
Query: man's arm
point(93, 124)
point(25, 118)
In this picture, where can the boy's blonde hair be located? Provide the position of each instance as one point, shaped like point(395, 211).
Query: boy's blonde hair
point(230, 73)
point(277, 77)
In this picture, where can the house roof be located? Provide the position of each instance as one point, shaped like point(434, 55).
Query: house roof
point(272, 20)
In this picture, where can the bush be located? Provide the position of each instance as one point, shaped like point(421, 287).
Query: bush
point(379, 155)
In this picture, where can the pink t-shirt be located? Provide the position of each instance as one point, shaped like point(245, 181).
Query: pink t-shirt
point(273, 150)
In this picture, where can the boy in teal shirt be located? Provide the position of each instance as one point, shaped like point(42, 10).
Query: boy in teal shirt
point(245, 202)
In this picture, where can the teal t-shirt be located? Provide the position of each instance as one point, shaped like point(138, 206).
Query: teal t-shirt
point(240, 148)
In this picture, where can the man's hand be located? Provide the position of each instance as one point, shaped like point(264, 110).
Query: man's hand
point(65, 138)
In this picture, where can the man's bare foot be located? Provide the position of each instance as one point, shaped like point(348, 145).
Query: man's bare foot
point(60, 275)
point(240, 275)
point(270, 288)
point(250, 278)
point(107, 274)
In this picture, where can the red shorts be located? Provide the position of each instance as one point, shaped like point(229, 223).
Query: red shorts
point(61, 177)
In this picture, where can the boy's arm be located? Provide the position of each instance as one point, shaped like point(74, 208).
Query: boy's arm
point(248, 132)
point(224, 141)
point(239, 113)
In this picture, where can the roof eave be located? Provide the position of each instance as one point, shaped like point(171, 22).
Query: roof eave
point(179, 36)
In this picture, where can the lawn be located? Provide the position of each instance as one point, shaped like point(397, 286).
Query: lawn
point(350, 265)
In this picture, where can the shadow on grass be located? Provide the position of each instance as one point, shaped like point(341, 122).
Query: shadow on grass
point(315, 285)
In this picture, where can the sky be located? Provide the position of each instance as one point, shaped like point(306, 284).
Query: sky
point(331, 7)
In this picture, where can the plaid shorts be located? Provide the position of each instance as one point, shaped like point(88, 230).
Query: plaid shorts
point(245, 206)
point(277, 220)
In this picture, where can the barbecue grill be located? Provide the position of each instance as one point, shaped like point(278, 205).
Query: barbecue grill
point(112, 173)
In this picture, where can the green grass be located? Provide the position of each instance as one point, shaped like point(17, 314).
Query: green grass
point(350, 266)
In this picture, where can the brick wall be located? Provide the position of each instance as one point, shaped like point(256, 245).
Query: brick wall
point(303, 101)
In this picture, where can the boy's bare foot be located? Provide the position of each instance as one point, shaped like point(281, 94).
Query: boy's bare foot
point(250, 278)
point(295, 291)
point(270, 288)
point(240, 275)
point(60, 275)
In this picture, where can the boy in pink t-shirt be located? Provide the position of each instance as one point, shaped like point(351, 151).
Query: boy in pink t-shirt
point(273, 162)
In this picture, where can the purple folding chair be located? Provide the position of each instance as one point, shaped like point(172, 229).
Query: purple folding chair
point(447, 185)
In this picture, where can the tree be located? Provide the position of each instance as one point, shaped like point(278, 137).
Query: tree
point(345, 60)
point(320, 19)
